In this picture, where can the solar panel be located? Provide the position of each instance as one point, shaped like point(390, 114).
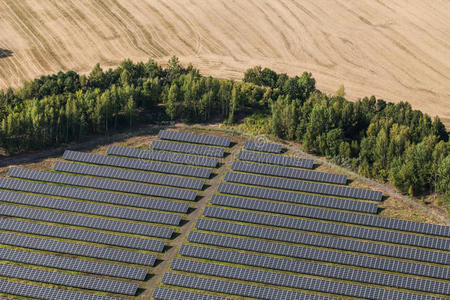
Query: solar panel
point(337, 216)
point(184, 159)
point(112, 198)
point(273, 159)
point(194, 138)
point(324, 241)
point(175, 181)
point(170, 294)
point(77, 234)
point(72, 264)
point(262, 147)
point(79, 281)
point(288, 172)
point(128, 163)
point(88, 208)
point(188, 148)
point(299, 198)
point(320, 255)
point(303, 186)
point(240, 289)
point(315, 269)
point(327, 228)
point(103, 184)
point(77, 249)
point(40, 292)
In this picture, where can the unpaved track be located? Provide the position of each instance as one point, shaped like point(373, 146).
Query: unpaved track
point(175, 244)
point(397, 50)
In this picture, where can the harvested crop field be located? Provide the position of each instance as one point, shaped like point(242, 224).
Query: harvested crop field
point(395, 50)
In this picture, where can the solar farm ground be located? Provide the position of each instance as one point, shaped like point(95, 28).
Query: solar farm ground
point(280, 262)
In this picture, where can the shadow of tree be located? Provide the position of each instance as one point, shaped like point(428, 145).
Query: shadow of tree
point(5, 53)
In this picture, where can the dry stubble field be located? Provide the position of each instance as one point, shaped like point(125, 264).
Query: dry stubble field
point(397, 50)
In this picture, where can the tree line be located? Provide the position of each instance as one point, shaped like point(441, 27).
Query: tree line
point(390, 142)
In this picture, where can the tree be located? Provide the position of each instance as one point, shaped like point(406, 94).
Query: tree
point(130, 110)
point(171, 101)
point(125, 78)
point(173, 69)
point(443, 178)
point(340, 92)
point(254, 75)
point(96, 78)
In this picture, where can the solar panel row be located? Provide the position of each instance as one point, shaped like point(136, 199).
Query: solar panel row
point(240, 289)
point(262, 147)
point(315, 269)
point(302, 186)
point(273, 159)
point(79, 281)
point(78, 234)
point(323, 241)
point(288, 172)
point(320, 255)
point(160, 179)
point(285, 280)
point(40, 292)
point(162, 156)
point(314, 200)
point(327, 228)
point(194, 138)
point(99, 196)
point(72, 264)
point(103, 184)
point(128, 163)
point(188, 148)
point(77, 249)
point(170, 294)
point(337, 216)
point(88, 208)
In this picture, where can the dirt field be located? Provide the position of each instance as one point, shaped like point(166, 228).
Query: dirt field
point(397, 50)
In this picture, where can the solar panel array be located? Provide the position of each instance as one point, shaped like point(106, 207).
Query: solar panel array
point(327, 228)
point(72, 264)
point(184, 159)
point(273, 159)
point(85, 221)
point(263, 239)
point(79, 281)
point(79, 234)
point(288, 172)
point(188, 148)
point(112, 198)
point(336, 216)
point(77, 249)
point(194, 138)
point(89, 208)
point(262, 147)
point(302, 186)
point(296, 266)
point(327, 242)
point(333, 257)
point(240, 289)
point(114, 161)
point(175, 181)
point(266, 277)
point(170, 294)
point(284, 196)
point(103, 184)
point(40, 292)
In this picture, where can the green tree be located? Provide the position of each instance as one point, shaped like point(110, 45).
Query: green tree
point(171, 106)
point(131, 111)
point(443, 178)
